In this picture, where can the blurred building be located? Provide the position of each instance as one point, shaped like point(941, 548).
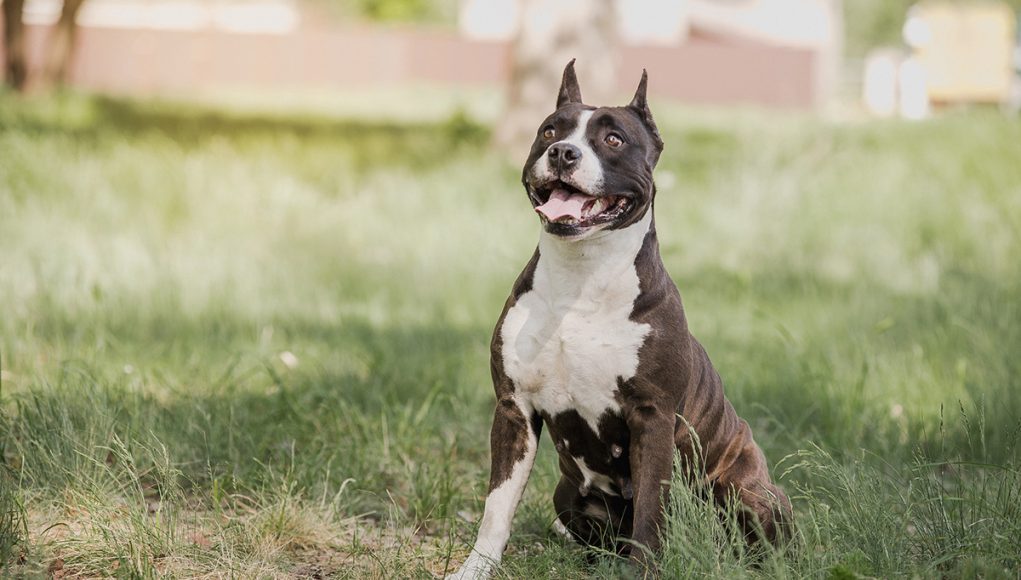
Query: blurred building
point(782, 53)
point(771, 52)
point(252, 17)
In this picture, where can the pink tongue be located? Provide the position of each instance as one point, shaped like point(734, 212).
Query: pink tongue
point(561, 203)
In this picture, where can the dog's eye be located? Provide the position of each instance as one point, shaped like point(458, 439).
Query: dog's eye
point(614, 140)
point(548, 133)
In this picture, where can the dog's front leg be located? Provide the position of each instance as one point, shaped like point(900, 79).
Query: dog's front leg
point(513, 441)
point(652, 445)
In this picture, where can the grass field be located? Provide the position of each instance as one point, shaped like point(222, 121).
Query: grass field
point(239, 345)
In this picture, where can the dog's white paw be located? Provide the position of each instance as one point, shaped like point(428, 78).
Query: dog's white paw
point(561, 530)
point(476, 567)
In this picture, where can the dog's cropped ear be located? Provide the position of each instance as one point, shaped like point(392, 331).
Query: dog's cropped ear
point(640, 103)
point(570, 92)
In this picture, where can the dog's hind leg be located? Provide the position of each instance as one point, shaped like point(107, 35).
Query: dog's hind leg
point(767, 512)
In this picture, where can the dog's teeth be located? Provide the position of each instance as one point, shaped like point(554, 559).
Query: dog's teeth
point(597, 207)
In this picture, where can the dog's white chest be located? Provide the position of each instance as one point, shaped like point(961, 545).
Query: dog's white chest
point(568, 340)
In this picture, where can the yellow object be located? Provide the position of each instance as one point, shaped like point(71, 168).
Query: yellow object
point(965, 49)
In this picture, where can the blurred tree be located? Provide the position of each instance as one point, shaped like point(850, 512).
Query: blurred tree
point(551, 33)
point(15, 69)
point(872, 23)
point(61, 43)
point(406, 10)
point(433, 12)
point(59, 50)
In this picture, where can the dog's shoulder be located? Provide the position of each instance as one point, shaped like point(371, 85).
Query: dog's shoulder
point(522, 285)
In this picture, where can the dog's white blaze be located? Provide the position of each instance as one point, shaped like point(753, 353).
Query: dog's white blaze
point(568, 339)
point(495, 528)
point(588, 175)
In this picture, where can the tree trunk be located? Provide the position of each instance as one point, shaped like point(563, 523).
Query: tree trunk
point(62, 41)
point(551, 33)
point(15, 69)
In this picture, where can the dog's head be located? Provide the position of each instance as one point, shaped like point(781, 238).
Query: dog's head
point(590, 168)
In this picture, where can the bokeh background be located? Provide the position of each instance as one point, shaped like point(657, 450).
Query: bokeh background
point(252, 252)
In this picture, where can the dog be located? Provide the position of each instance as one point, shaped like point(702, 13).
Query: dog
point(593, 344)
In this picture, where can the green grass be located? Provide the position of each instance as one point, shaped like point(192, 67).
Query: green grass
point(257, 345)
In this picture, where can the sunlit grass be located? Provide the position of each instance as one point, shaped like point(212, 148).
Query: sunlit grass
point(257, 345)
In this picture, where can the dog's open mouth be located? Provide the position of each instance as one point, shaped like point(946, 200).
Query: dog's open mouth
point(567, 205)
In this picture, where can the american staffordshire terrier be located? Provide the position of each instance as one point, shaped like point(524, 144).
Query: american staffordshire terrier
point(593, 343)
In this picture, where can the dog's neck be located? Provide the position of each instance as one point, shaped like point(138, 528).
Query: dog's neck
point(600, 257)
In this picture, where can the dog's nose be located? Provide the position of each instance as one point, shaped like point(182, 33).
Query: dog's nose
point(564, 155)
